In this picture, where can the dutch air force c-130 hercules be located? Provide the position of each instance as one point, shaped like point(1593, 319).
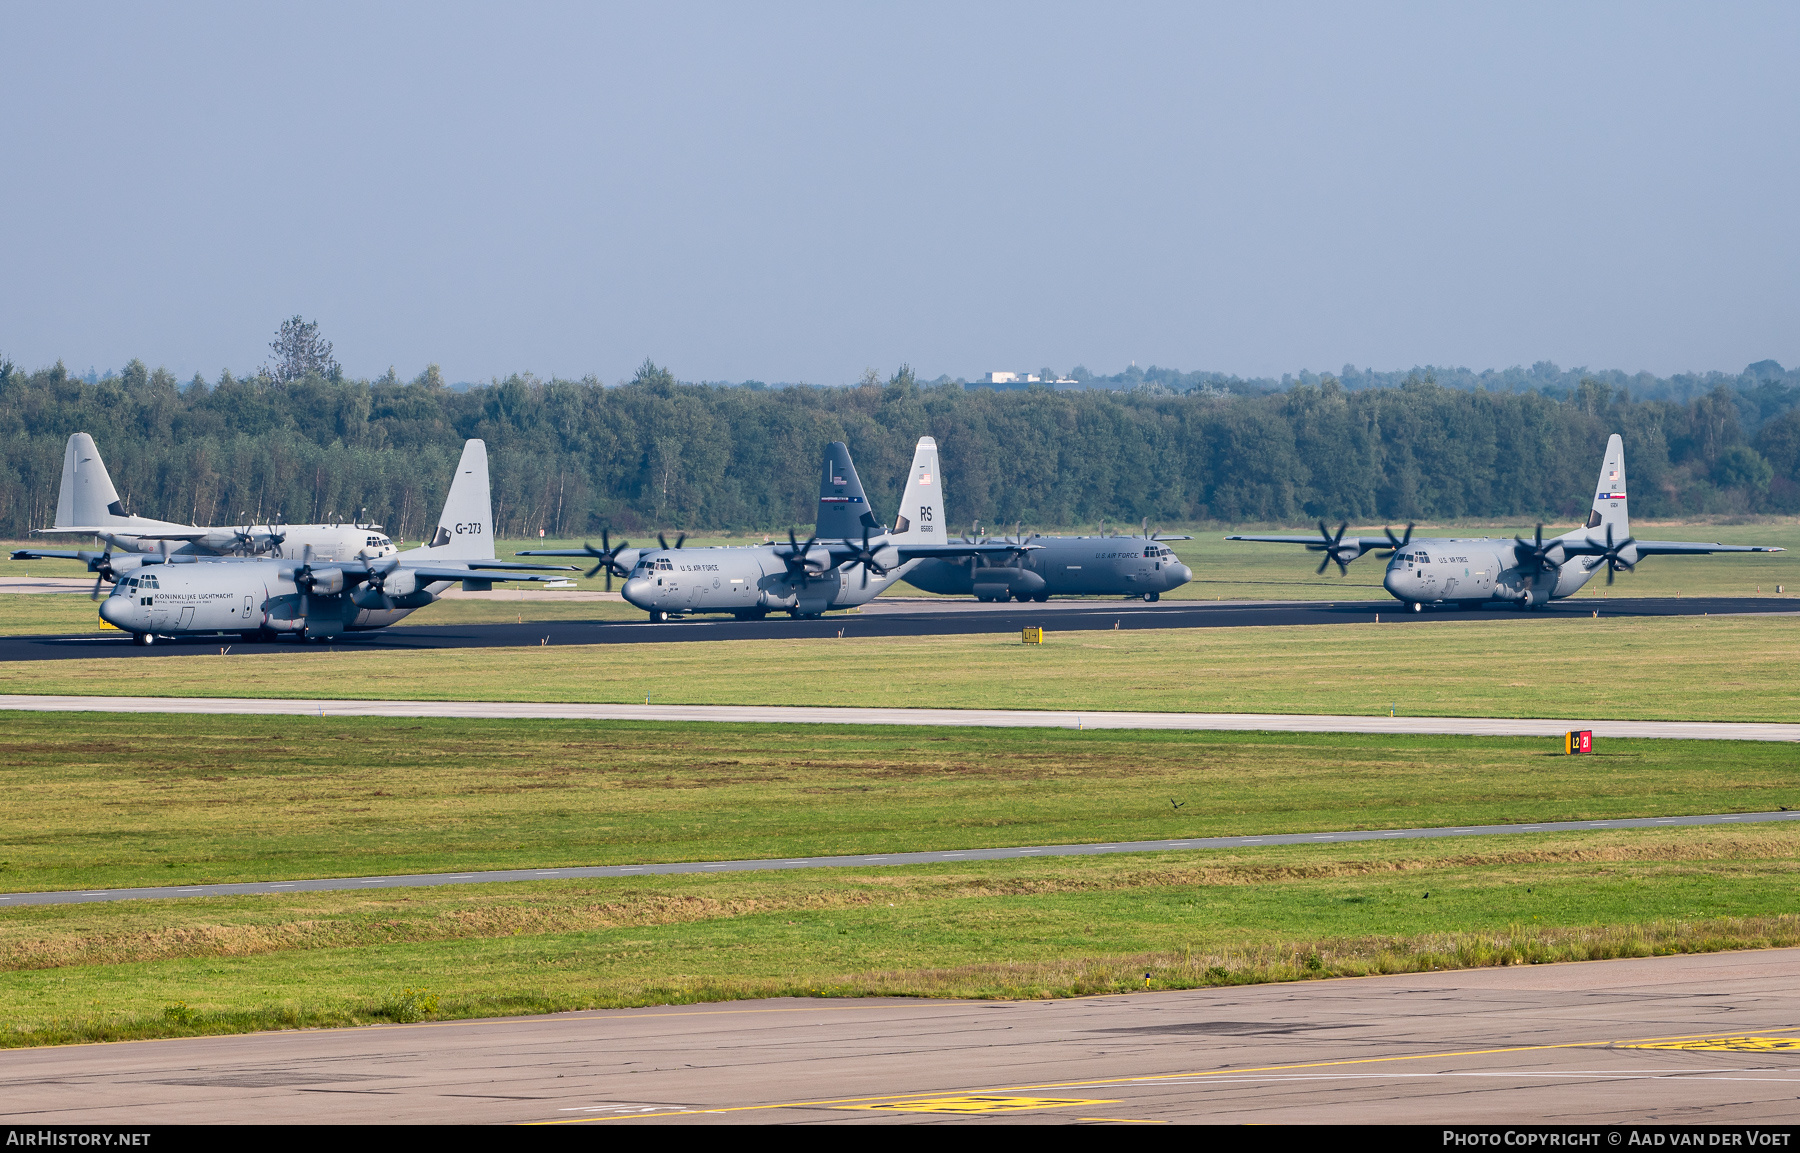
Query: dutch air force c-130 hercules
point(260, 598)
point(87, 504)
point(850, 559)
point(1466, 572)
point(1127, 566)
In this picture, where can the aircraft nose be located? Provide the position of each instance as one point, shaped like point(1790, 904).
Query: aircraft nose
point(112, 611)
point(638, 590)
point(1179, 574)
point(1391, 581)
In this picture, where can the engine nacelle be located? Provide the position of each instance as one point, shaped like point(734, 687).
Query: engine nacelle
point(818, 560)
point(403, 582)
point(326, 581)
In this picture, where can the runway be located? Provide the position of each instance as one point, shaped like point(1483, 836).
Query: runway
point(1699, 1039)
point(867, 860)
point(985, 718)
point(912, 619)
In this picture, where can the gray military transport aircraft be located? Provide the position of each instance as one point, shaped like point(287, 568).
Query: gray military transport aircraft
point(1468, 572)
point(1127, 566)
point(87, 504)
point(169, 595)
point(850, 559)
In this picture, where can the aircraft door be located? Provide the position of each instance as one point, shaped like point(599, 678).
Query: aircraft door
point(187, 618)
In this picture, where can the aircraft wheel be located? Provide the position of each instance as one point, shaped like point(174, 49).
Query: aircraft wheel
point(1041, 597)
point(1417, 607)
point(658, 616)
point(1152, 596)
point(143, 639)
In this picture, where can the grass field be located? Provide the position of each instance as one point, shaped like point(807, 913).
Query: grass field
point(1000, 929)
point(106, 801)
point(1495, 664)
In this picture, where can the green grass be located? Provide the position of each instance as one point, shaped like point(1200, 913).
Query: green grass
point(1013, 929)
point(1737, 668)
point(105, 801)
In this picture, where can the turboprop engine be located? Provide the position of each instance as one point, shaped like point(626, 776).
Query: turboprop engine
point(394, 587)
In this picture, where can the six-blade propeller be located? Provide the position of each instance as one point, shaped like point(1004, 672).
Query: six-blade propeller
point(607, 557)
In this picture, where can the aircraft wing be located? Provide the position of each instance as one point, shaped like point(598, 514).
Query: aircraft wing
point(1363, 543)
point(167, 532)
point(985, 548)
point(513, 564)
point(1679, 547)
point(54, 554)
point(445, 573)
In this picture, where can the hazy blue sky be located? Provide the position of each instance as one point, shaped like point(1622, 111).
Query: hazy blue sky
point(792, 192)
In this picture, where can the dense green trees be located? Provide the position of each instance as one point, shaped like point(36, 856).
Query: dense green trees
point(571, 457)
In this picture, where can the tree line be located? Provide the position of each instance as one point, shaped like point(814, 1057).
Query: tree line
point(571, 457)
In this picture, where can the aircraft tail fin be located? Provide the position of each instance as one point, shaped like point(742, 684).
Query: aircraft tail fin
point(921, 516)
point(87, 496)
point(843, 505)
point(465, 529)
point(1610, 506)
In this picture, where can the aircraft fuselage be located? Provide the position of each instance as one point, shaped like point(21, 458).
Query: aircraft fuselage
point(1063, 566)
point(1451, 570)
point(224, 595)
point(748, 581)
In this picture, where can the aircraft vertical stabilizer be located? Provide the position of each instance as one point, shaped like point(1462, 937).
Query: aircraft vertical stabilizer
point(921, 518)
point(465, 531)
point(1609, 494)
point(843, 506)
point(87, 496)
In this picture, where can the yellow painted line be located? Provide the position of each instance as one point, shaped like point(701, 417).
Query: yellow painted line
point(852, 1101)
point(1123, 1120)
point(1724, 1045)
point(977, 1103)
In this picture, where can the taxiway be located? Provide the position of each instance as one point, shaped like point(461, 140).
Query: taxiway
point(911, 619)
point(1697, 1039)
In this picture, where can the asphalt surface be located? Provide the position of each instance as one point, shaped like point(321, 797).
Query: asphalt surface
point(954, 618)
point(872, 860)
point(986, 718)
point(1696, 1039)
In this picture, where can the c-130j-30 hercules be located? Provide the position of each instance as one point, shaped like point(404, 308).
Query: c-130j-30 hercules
point(1469, 572)
point(1141, 566)
point(262, 597)
point(87, 504)
point(850, 559)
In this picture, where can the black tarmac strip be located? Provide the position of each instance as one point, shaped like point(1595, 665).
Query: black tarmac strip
point(874, 860)
point(1065, 616)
